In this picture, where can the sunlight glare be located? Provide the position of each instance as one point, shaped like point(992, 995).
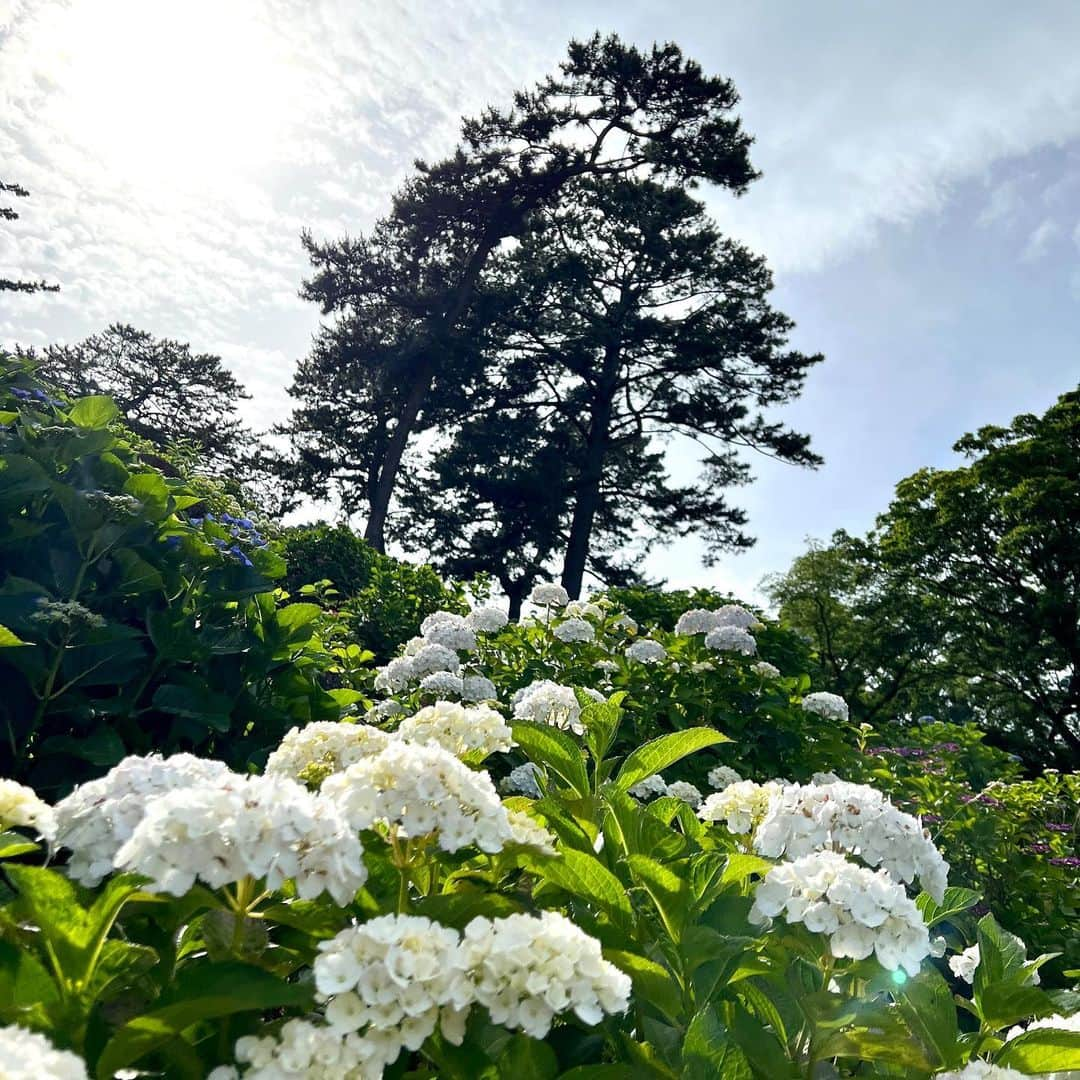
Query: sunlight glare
point(180, 94)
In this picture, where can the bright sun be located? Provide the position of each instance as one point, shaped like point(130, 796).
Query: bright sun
point(176, 93)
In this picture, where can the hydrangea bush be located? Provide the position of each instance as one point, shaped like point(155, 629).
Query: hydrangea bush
point(583, 845)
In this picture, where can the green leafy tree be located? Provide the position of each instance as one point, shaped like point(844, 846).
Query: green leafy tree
point(628, 321)
point(997, 543)
point(167, 393)
point(402, 350)
point(9, 213)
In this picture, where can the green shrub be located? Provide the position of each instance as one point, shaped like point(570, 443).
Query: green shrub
point(136, 618)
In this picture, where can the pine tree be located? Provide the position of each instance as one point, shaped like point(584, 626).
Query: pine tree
point(400, 352)
point(8, 213)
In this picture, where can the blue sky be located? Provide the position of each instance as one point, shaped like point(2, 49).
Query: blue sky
point(920, 202)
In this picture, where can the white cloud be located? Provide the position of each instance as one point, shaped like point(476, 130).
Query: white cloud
point(1039, 242)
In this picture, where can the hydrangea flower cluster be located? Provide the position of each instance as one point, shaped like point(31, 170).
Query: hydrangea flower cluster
point(700, 621)
point(311, 753)
point(765, 669)
point(681, 789)
point(646, 651)
point(21, 808)
point(459, 729)
point(583, 609)
point(478, 688)
point(740, 805)
point(526, 969)
point(28, 1055)
point(982, 1070)
point(522, 779)
point(963, 964)
point(527, 832)
point(303, 1050)
point(443, 684)
point(571, 630)
point(421, 790)
point(393, 980)
point(802, 818)
point(487, 619)
point(264, 827)
point(723, 776)
point(652, 787)
point(861, 911)
point(728, 638)
point(547, 594)
point(98, 817)
point(546, 702)
point(453, 631)
point(828, 706)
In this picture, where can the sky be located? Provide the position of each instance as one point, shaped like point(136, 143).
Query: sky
point(919, 201)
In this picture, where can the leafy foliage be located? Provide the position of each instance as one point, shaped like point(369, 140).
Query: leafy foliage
point(143, 620)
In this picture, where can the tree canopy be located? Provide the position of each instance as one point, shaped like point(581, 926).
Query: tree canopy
point(9, 213)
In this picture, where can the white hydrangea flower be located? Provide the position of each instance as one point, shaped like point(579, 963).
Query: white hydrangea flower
point(696, 621)
point(28, 1055)
point(528, 832)
point(723, 776)
point(548, 593)
point(570, 630)
point(584, 609)
point(765, 670)
point(862, 911)
point(478, 688)
point(414, 645)
point(685, 791)
point(422, 790)
point(527, 968)
point(547, 702)
point(385, 710)
point(442, 682)
point(652, 787)
point(266, 827)
point(449, 630)
point(522, 780)
point(830, 706)
point(608, 667)
point(392, 981)
point(963, 965)
point(98, 817)
point(622, 621)
point(857, 819)
point(825, 778)
point(21, 808)
point(700, 667)
point(459, 729)
point(982, 1070)
point(646, 651)
point(731, 639)
point(740, 805)
point(736, 615)
point(311, 753)
point(1056, 1022)
point(487, 619)
point(396, 675)
point(434, 658)
point(306, 1051)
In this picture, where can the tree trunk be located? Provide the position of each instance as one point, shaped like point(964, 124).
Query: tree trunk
point(587, 501)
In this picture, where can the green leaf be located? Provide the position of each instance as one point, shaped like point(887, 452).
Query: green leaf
point(669, 892)
point(653, 982)
point(13, 843)
point(546, 745)
point(458, 909)
point(212, 991)
point(152, 491)
point(600, 1072)
point(137, 575)
point(1044, 1050)
point(97, 411)
point(197, 702)
point(294, 618)
point(659, 754)
point(709, 1052)
point(927, 1005)
point(585, 876)
point(740, 866)
point(1004, 1003)
point(956, 900)
point(24, 982)
point(528, 1059)
point(8, 639)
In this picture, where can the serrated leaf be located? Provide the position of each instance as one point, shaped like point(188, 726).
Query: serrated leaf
point(585, 876)
point(550, 747)
point(653, 982)
point(1044, 1050)
point(927, 1006)
point(97, 411)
